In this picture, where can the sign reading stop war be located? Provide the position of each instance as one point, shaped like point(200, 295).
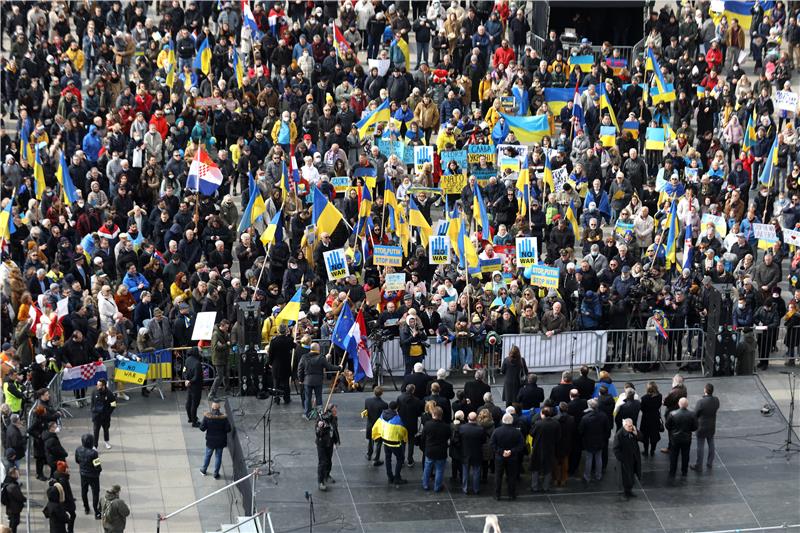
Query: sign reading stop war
point(453, 183)
point(544, 276)
point(527, 251)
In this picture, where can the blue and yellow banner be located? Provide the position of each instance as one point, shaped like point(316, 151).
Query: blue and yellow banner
point(131, 372)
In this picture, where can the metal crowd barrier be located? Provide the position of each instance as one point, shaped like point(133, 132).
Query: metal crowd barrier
point(643, 348)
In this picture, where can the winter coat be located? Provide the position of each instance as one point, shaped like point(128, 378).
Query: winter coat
point(514, 373)
point(53, 449)
point(593, 428)
point(87, 458)
point(115, 513)
point(546, 433)
point(217, 427)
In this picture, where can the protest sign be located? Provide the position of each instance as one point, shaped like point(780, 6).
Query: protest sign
point(459, 156)
point(544, 276)
point(130, 372)
point(336, 264)
point(508, 163)
point(422, 155)
point(388, 256)
point(340, 183)
point(791, 237)
point(482, 175)
point(764, 231)
point(475, 151)
point(395, 282)
point(453, 183)
point(527, 251)
point(786, 101)
point(389, 148)
point(490, 265)
point(381, 64)
point(719, 224)
point(204, 326)
point(439, 250)
point(621, 227)
point(560, 177)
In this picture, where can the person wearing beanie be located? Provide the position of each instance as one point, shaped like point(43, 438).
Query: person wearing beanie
point(115, 511)
point(311, 372)
point(61, 478)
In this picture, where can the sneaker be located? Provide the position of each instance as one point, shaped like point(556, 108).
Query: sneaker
point(467, 368)
point(86, 510)
point(323, 487)
point(203, 472)
point(123, 396)
point(97, 515)
point(108, 445)
point(216, 476)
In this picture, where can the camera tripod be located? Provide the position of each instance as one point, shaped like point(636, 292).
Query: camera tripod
point(380, 363)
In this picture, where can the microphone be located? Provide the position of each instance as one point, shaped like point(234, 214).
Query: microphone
point(308, 495)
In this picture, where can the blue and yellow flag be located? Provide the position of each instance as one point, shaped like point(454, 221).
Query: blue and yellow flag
point(417, 219)
point(632, 127)
point(548, 173)
point(325, 215)
point(479, 209)
point(672, 236)
point(400, 44)
point(749, 133)
point(38, 176)
point(171, 65)
point(202, 61)
point(467, 255)
point(255, 206)
point(291, 310)
point(7, 226)
point(381, 114)
point(608, 136)
point(741, 10)
point(528, 129)
point(25, 148)
point(390, 201)
point(274, 231)
point(584, 63)
point(573, 220)
point(661, 91)
point(237, 68)
point(557, 98)
point(68, 191)
point(524, 187)
point(655, 138)
point(770, 163)
point(605, 103)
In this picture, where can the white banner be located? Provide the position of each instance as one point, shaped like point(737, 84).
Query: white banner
point(764, 231)
point(791, 237)
point(785, 100)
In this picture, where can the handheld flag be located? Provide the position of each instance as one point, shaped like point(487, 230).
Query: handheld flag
point(171, 65)
point(274, 231)
point(573, 221)
point(291, 310)
point(328, 219)
point(68, 190)
point(548, 173)
point(605, 103)
point(204, 175)
point(381, 114)
point(528, 129)
point(672, 236)
point(770, 163)
point(7, 226)
point(479, 209)
point(524, 187)
point(202, 61)
point(577, 108)
point(688, 248)
point(249, 21)
point(661, 90)
point(416, 219)
point(390, 201)
point(749, 133)
point(38, 176)
point(255, 206)
point(238, 69)
point(401, 44)
point(25, 148)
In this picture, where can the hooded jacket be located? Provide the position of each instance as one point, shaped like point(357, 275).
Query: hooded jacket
point(54, 510)
point(115, 511)
point(87, 458)
point(91, 144)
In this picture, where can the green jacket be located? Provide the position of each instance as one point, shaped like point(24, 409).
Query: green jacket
point(220, 349)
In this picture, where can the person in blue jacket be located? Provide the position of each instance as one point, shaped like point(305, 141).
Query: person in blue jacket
point(135, 282)
point(91, 144)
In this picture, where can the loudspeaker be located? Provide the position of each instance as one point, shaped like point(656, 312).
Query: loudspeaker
point(249, 319)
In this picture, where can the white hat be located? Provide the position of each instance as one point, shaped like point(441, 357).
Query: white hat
point(40, 358)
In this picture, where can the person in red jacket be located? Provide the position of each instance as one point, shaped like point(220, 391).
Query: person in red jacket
point(714, 56)
point(160, 122)
point(503, 55)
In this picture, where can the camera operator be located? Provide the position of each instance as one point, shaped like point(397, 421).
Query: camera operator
point(390, 319)
point(413, 342)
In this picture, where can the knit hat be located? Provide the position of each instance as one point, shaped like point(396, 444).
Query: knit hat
point(61, 467)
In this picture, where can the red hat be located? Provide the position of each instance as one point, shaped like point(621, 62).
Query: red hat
point(557, 217)
point(61, 467)
point(307, 137)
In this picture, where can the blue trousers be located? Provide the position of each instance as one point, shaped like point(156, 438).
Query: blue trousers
point(217, 456)
point(437, 465)
point(470, 473)
point(311, 391)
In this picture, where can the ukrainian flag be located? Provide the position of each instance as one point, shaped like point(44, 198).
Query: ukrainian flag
point(38, 176)
point(608, 135)
point(285, 185)
point(328, 219)
point(467, 255)
point(365, 201)
point(390, 201)
point(237, 68)
point(749, 133)
point(479, 209)
point(655, 138)
point(171, 66)
point(7, 226)
point(573, 221)
point(160, 364)
point(381, 114)
point(391, 432)
point(67, 186)
point(416, 219)
point(769, 165)
point(548, 173)
point(528, 129)
point(402, 45)
point(605, 103)
point(524, 187)
point(557, 98)
point(255, 206)
point(291, 310)
point(202, 60)
point(741, 10)
point(584, 63)
point(404, 232)
point(662, 91)
point(274, 231)
point(631, 126)
point(672, 236)
point(25, 141)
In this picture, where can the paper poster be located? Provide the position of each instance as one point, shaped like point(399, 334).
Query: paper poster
point(791, 237)
point(475, 151)
point(508, 103)
point(719, 224)
point(621, 227)
point(395, 282)
point(508, 163)
point(764, 231)
point(388, 256)
point(204, 326)
point(544, 276)
point(340, 183)
point(459, 156)
point(560, 177)
point(489, 266)
point(482, 175)
point(381, 64)
point(422, 155)
point(527, 251)
point(439, 250)
point(336, 264)
point(785, 100)
point(453, 183)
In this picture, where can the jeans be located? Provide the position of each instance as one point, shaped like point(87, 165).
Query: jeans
point(94, 484)
point(394, 453)
point(593, 462)
point(470, 473)
point(438, 467)
point(459, 356)
point(311, 392)
point(675, 449)
point(701, 444)
point(422, 52)
point(217, 459)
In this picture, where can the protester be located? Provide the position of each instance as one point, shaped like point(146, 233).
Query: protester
point(373, 408)
point(103, 404)
point(13, 498)
point(115, 511)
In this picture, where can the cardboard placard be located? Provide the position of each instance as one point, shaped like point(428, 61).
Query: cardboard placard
point(764, 231)
point(475, 151)
point(336, 264)
point(439, 250)
point(130, 372)
point(453, 183)
point(395, 282)
point(388, 256)
point(785, 101)
point(340, 183)
point(527, 251)
point(422, 155)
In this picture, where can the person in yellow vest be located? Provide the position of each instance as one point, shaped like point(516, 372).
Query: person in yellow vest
point(13, 393)
point(389, 429)
point(269, 328)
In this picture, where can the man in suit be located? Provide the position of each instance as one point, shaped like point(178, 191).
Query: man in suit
point(560, 392)
point(419, 379)
point(410, 408)
point(475, 389)
point(584, 384)
point(680, 423)
point(472, 438)
point(445, 387)
point(706, 412)
point(507, 444)
point(441, 401)
point(546, 433)
point(374, 407)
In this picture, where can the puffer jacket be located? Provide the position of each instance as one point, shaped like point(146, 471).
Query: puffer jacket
point(87, 458)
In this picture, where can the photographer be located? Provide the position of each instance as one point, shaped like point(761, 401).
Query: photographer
point(413, 342)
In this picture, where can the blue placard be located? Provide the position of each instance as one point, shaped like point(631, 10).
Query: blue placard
point(388, 255)
point(459, 156)
point(544, 276)
point(482, 175)
point(490, 265)
point(475, 151)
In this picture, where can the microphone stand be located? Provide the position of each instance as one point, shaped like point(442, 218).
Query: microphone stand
point(311, 517)
point(572, 354)
point(788, 445)
point(266, 449)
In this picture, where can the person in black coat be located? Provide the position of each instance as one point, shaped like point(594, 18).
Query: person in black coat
point(89, 468)
point(193, 376)
point(373, 407)
point(706, 411)
point(16, 438)
point(217, 426)
point(472, 437)
point(630, 408)
point(54, 511)
point(680, 423)
point(584, 384)
point(508, 445)
point(103, 404)
point(566, 442)
point(546, 433)
point(280, 360)
point(435, 437)
point(445, 387)
point(419, 379)
point(410, 408)
point(626, 450)
point(475, 389)
point(560, 392)
point(593, 429)
point(61, 477)
point(651, 425)
point(436, 397)
point(512, 368)
point(530, 395)
point(54, 451)
point(15, 498)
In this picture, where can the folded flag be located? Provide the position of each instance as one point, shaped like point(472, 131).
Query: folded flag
point(83, 376)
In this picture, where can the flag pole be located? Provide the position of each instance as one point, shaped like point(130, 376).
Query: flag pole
point(344, 358)
point(296, 327)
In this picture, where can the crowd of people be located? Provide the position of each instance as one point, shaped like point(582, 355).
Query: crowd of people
point(111, 246)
